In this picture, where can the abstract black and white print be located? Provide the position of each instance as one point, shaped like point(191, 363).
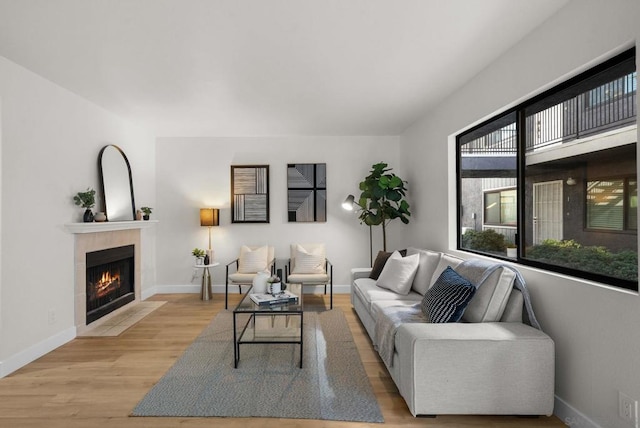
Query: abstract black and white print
point(250, 193)
point(307, 192)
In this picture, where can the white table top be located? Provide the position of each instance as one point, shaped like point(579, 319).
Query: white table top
point(206, 266)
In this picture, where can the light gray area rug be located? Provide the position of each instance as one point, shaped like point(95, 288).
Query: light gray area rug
point(332, 385)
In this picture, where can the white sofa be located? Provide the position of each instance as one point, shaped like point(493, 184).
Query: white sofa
point(491, 362)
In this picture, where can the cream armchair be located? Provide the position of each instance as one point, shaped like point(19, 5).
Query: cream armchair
point(241, 271)
point(309, 265)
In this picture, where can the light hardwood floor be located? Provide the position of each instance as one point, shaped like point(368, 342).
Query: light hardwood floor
point(96, 381)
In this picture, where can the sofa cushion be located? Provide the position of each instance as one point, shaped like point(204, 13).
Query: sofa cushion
point(491, 298)
point(398, 273)
point(368, 292)
point(378, 306)
point(428, 263)
point(513, 310)
point(308, 278)
point(242, 278)
point(447, 300)
point(445, 260)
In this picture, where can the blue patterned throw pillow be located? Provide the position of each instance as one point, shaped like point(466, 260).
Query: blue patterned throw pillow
point(447, 299)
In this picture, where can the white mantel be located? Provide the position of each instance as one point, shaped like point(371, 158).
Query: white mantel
point(108, 226)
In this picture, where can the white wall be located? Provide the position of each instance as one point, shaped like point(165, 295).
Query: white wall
point(195, 173)
point(50, 144)
point(595, 328)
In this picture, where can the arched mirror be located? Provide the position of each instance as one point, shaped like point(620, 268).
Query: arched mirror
point(117, 184)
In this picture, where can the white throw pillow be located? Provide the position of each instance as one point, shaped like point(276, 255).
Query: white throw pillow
point(253, 261)
point(398, 273)
point(307, 262)
point(428, 263)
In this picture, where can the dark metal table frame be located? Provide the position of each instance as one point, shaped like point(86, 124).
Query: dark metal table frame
point(247, 307)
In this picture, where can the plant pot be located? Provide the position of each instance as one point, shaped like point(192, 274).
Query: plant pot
point(199, 260)
point(512, 252)
point(146, 217)
point(275, 287)
point(88, 216)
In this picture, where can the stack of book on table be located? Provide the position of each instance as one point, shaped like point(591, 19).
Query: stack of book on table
point(271, 299)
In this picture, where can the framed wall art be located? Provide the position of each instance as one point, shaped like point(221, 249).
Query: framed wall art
point(307, 192)
point(249, 193)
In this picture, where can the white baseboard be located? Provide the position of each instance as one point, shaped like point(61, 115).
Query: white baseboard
point(21, 359)
point(174, 289)
point(572, 417)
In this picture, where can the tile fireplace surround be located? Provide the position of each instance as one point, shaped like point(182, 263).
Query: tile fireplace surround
point(100, 236)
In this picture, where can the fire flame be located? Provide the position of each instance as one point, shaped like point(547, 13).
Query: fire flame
point(107, 282)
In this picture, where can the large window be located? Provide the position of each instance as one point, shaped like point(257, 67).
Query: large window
point(556, 176)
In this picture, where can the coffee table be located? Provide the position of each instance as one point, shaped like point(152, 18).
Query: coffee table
point(268, 324)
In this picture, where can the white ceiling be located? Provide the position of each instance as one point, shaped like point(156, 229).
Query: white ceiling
point(265, 67)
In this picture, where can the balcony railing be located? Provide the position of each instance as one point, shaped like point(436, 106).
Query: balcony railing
point(607, 107)
point(500, 142)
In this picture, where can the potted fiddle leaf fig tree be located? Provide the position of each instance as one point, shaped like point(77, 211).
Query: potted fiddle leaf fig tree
point(383, 199)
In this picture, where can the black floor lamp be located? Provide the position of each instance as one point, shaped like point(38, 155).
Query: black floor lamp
point(350, 204)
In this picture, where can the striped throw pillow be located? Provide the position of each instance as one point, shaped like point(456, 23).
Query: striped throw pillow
point(308, 262)
point(253, 261)
point(447, 299)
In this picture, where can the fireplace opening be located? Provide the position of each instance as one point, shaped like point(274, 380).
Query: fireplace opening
point(110, 280)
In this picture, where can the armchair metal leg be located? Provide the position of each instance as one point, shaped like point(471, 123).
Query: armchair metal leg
point(331, 296)
point(331, 286)
point(226, 294)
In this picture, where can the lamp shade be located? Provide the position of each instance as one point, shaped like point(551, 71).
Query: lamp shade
point(349, 203)
point(209, 217)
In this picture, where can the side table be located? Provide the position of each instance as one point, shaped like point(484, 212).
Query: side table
point(205, 291)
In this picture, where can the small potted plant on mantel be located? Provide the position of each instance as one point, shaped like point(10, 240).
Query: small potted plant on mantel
point(147, 212)
point(86, 200)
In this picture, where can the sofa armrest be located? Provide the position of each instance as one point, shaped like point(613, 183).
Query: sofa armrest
point(467, 368)
point(360, 273)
